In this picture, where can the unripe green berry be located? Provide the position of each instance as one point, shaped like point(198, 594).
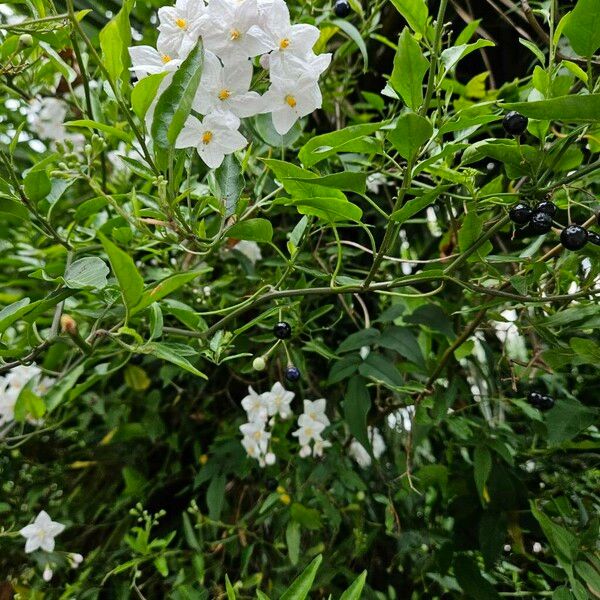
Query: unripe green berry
point(259, 364)
point(26, 40)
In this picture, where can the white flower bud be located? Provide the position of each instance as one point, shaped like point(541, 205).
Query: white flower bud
point(364, 352)
point(48, 573)
point(270, 458)
point(537, 548)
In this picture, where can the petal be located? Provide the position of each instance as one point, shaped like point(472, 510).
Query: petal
point(31, 545)
point(238, 76)
point(29, 530)
point(212, 71)
point(47, 544)
point(55, 528)
point(247, 105)
point(43, 519)
point(303, 38)
point(211, 154)
point(232, 141)
point(190, 134)
point(263, 38)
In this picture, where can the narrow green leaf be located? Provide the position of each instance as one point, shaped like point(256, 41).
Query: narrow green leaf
point(329, 209)
point(576, 109)
point(230, 183)
point(170, 354)
point(482, 467)
point(37, 185)
point(144, 93)
point(415, 12)
point(357, 403)
point(89, 124)
point(292, 539)
point(115, 39)
point(409, 68)
point(175, 103)
point(229, 589)
point(257, 230)
point(354, 592)
point(356, 37)
point(301, 586)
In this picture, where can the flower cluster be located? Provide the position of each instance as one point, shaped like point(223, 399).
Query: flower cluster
point(311, 424)
point(233, 33)
point(360, 454)
point(12, 384)
point(262, 411)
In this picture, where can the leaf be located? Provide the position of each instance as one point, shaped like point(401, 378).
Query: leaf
point(583, 27)
point(470, 232)
point(88, 272)
point(356, 37)
point(329, 209)
point(563, 542)
point(136, 378)
point(37, 185)
point(409, 68)
point(349, 139)
point(357, 404)
point(567, 419)
point(57, 393)
point(230, 183)
point(29, 405)
point(292, 539)
point(13, 312)
point(144, 93)
point(403, 341)
point(266, 131)
point(175, 103)
point(345, 180)
point(482, 467)
point(519, 160)
point(471, 581)
point(130, 281)
point(590, 575)
point(229, 589)
point(257, 230)
point(587, 350)
point(307, 517)
point(115, 39)
point(453, 55)
point(415, 205)
point(89, 124)
point(410, 133)
point(301, 586)
point(170, 354)
point(577, 109)
point(380, 369)
point(354, 592)
point(14, 209)
point(215, 496)
point(415, 12)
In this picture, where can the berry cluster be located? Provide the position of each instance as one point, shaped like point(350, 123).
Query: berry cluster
point(540, 401)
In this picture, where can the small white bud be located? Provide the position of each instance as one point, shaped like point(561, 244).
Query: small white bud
point(76, 559)
point(48, 573)
point(537, 548)
point(270, 458)
point(305, 451)
point(364, 352)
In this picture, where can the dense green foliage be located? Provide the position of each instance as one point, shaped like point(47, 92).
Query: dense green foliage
point(379, 229)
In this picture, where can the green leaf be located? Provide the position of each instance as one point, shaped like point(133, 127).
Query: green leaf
point(482, 467)
point(144, 93)
point(14, 209)
point(350, 139)
point(169, 353)
point(590, 575)
point(567, 419)
point(380, 369)
point(470, 232)
point(415, 12)
point(587, 351)
point(453, 55)
point(88, 272)
point(257, 230)
point(59, 390)
point(357, 404)
point(415, 205)
point(349, 181)
point(89, 124)
point(409, 68)
point(215, 496)
point(472, 581)
point(175, 103)
point(230, 183)
point(519, 160)
point(354, 592)
point(329, 209)
point(583, 27)
point(292, 539)
point(29, 405)
point(13, 312)
point(301, 586)
point(115, 39)
point(229, 589)
point(403, 341)
point(563, 542)
point(576, 109)
point(37, 185)
point(410, 133)
point(356, 37)
point(307, 517)
point(130, 281)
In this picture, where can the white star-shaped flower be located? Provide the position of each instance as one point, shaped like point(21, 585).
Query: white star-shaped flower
point(276, 32)
point(256, 432)
point(290, 66)
point(278, 401)
point(308, 430)
point(146, 60)
point(291, 99)
point(315, 410)
point(41, 533)
point(226, 88)
point(213, 137)
point(255, 406)
point(225, 27)
point(179, 27)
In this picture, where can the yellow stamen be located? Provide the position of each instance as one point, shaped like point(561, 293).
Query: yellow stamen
point(224, 94)
point(207, 136)
point(291, 100)
point(235, 34)
point(284, 43)
point(181, 23)
point(166, 58)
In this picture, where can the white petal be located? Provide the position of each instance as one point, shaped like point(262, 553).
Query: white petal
point(31, 545)
point(211, 154)
point(47, 544)
point(190, 134)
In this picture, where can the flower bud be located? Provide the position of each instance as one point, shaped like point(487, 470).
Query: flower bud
point(68, 325)
point(270, 458)
point(47, 575)
point(26, 40)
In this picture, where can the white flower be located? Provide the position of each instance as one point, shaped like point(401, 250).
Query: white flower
point(270, 458)
point(41, 533)
point(225, 29)
point(213, 138)
point(290, 66)
point(47, 574)
point(304, 451)
point(279, 35)
point(255, 406)
point(315, 410)
point(319, 446)
point(75, 560)
point(278, 401)
point(252, 448)
point(291, 99)
point(146, 60)
point(226, 88)
point(46, 118)
point(308, 430)
point(256, 432)
point(251, 250)
point(375, 181)
point(359, 453)
point(12, 384)
point(179, 27)
point(537, 547)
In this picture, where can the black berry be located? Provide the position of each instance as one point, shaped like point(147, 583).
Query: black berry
point(271, 484)
point(541, 222)
point(520, 213)
point(342, 9)
point(292, 373)
point(574, 237)
point(594, 238)
point(540, 401)
point(282, 330)
point(546, 206)
point(515, 123)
